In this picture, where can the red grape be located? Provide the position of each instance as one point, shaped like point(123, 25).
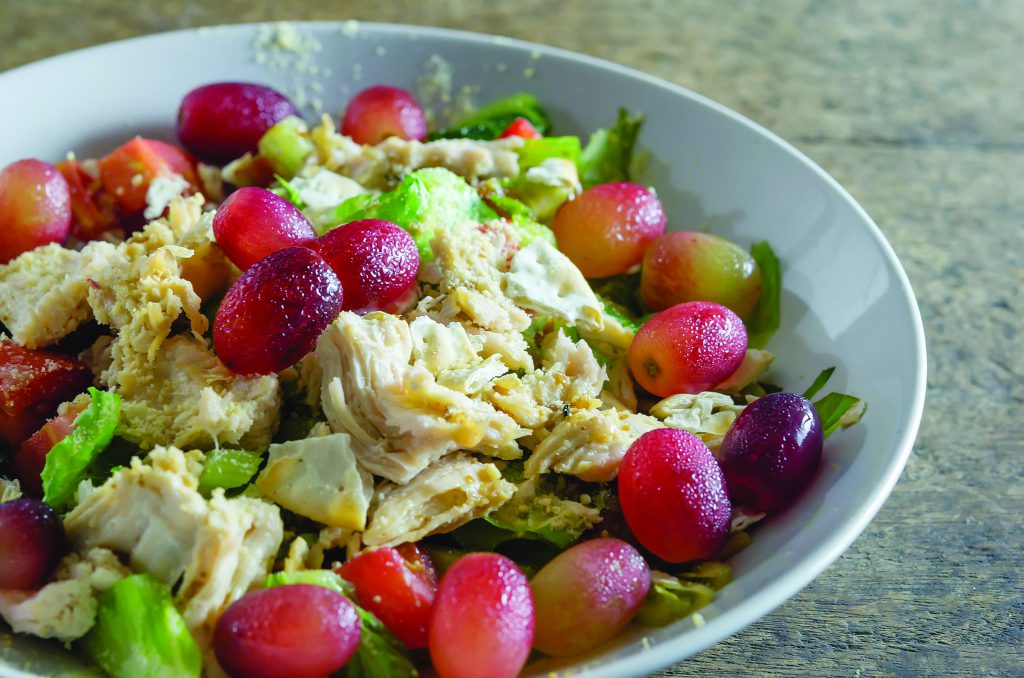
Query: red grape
point(687, 266)
point(673, 496)
point(771, 451)
point(605, 229)
point(31, 541)
point(400, 596)
point(35, 207)
point(520, 127)
point(483, 619)
point(225, 120)
point(375, 260)
point(90, 216)
point(253, 222)
point(292, 631)
point(687, 348)
point(587, 594)
point(383, 111)
point(272, 315)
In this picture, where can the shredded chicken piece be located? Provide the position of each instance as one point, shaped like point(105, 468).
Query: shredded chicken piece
point(187, 398)
point(707, 415)
point(448, 494)
point(400, 419)
point(44, 292)
point(589, 444)
point(153, 513)
point(65, 608)
point(9, 490)
point(384, 165)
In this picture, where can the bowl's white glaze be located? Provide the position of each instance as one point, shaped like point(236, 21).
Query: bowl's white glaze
point(846, 300)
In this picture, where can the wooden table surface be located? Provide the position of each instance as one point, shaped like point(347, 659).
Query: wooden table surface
point(918, 109)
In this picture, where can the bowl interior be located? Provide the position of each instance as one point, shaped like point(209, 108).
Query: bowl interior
point(846, 301)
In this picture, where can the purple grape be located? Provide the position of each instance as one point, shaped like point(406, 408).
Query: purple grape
point(771, 451)
point(225, 120)
point(31, 541)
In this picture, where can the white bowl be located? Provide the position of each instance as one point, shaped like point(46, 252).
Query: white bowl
point(846, 300)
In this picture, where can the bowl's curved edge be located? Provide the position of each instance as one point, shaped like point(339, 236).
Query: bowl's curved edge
point(661, 655)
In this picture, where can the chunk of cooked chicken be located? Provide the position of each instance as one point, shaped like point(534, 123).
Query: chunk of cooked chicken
point(443, 346)
point(65, 608)
point(153, 513)
point(382, 166)
point(448, 494)
point(471, 263)
point(186, 397)
point(44, 292)
point(589, 444)
point(569, 377)
point(707, 415)
point(9, 490)
point(544, 280)
point(319, 478)
point(400, 418)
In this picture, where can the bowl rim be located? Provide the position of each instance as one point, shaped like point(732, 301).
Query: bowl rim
point(812, 563)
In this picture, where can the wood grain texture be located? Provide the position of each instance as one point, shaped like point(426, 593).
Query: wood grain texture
point(918, 109)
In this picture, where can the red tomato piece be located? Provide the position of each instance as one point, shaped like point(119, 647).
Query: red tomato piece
point(398, 586)
point(27, 465)
point(128, 170)
point(520, 127)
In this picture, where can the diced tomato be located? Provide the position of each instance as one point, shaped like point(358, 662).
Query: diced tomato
point(32, 384)
point(398, 586)
point(28, 463)
point(90, 217)
point(520, 127)
point(128, 170)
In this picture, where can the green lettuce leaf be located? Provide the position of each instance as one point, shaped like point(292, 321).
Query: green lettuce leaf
point(139, 632)
point(288, 192)
point(620, 313)
point(834, 407)
point(535, 151)
point(764, 320)
point(68, 462)
point(623, 290)
point(608, 154)
point(491, 120)
point(819, 382)
point(380, 654)
point(426, 201)
point(228, 469)
point(670, 599)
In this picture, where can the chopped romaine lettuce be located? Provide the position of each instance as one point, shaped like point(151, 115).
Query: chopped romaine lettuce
point(620, 313)
point(623, 290)
point(68, 462)
point(426, 201)
point(228, 469)
point(286, 146)
point(764, 320)
point(608, 154)
point(491, 120)
point(288, 192)
point(380, 654)
point(838, 410)
point(819, 382)
point(529, 230)
point(670, 599)
point(712, 574)
point(139, 632)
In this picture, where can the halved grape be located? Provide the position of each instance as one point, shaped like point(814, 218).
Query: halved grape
point(383, 111)
point(273, 314)
point(673, 496)
point(375, 260)
point(291, 631)
point(688, 266)
point(253, 222)
point(605, 229)
point(31, 541)
point(587, 594)
point(35, 207)
point(687, 348)
point(483, 619)
point(225, 120)
point(771, 451)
